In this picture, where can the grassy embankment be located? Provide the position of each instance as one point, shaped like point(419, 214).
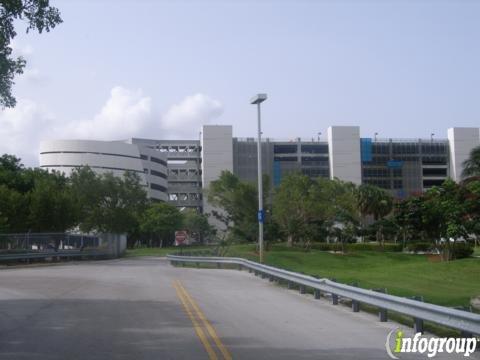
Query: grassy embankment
point(445, 283)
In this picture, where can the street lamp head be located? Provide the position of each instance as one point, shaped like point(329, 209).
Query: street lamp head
point(259, 98)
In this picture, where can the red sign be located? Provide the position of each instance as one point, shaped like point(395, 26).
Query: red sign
point(180, 237)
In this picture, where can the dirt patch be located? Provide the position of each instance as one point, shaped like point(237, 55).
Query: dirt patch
point(434, 257)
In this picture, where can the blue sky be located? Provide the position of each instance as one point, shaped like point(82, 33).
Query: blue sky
point(162, 68)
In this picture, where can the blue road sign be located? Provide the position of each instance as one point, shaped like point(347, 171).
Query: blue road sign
point(261, 216)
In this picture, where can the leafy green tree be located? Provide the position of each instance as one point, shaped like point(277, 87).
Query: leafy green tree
point(108, 203)
point(197, 225)
point(239, 203)
point(293, 206)
point(372, 200)
point(160, 221)
point(13, 210)
point(39, 16)
point(471, 166)
point(445, 213)
point(408, 218)
point(52, 207)
point(340, 211)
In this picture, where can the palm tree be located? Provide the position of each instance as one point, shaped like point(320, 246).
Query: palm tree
point(372, 200)
point(471, 166)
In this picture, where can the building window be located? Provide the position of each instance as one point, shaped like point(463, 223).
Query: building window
point(315, 149)
point(285, 149)
point(158, 173)
point(435, 172)
point(158, 161)
point(158, 187)
point(286, 158)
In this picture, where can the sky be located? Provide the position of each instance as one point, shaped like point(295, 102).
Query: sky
point(160, 69)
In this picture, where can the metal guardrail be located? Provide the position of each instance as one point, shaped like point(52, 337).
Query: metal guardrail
point(468, 323)
point(48, 254)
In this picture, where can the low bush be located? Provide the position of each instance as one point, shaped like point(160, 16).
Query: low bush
point(326, 246)
point(420, 247)
point(462, 251)
point(357, 247)
point(375, 247)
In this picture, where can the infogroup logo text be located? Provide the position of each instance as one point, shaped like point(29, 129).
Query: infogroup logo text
point(430, 346)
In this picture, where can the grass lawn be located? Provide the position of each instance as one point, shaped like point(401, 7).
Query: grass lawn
point(159, 251)
point(476, 251)
point(444, 283)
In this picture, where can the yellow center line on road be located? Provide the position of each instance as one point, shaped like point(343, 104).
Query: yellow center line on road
point(208, 326)
point(210, 329)
point(198, 329)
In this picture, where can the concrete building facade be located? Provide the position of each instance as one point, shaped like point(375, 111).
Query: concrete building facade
point(180, 171)
point(108, 156)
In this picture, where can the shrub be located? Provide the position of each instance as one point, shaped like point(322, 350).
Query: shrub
point(375, 247)
point(420, 247)
point(357, 247)
point(459, 251)
point(326, 246)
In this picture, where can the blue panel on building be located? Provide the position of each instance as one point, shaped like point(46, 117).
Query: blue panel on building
point(394, 164)
point(277, 173)
point(366, 149)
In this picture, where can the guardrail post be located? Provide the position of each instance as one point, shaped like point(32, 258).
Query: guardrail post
point(465, 334)
point(382, 313)
point(271, 278)
point(316, 294)
point(418, 323)
point(334, 299)
point(334, 296)
point(263, 275)
point(302, 289)
point(219, 266)
point(249, 270)
point(289, 285)
point(240, 267)
point(355, 303)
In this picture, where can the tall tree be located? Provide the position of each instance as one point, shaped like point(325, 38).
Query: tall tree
point(52, 207)
point(372, 200)
point(39, 16)
point(239, 203)
point(160, 221)
point(197, 225)
point(471, 166)
point(293, 206)
point(106, 202)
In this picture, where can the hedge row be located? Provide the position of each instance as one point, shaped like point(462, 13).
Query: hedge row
point(357, 247)
point(460, 250)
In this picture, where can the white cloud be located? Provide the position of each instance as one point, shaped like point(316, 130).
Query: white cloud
point(21, 128)
point(31, 74)
point(186, 117)
point(18, 49)
point(125, 114)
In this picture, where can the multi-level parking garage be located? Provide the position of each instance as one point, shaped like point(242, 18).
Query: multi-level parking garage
point(179, 171)
point(116, 157)
point(184, 169)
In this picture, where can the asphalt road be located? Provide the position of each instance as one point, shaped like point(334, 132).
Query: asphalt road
point(143, 308)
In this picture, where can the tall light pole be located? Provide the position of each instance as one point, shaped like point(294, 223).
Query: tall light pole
point(257, 100)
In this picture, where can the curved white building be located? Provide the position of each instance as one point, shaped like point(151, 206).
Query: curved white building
point(108, 156)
